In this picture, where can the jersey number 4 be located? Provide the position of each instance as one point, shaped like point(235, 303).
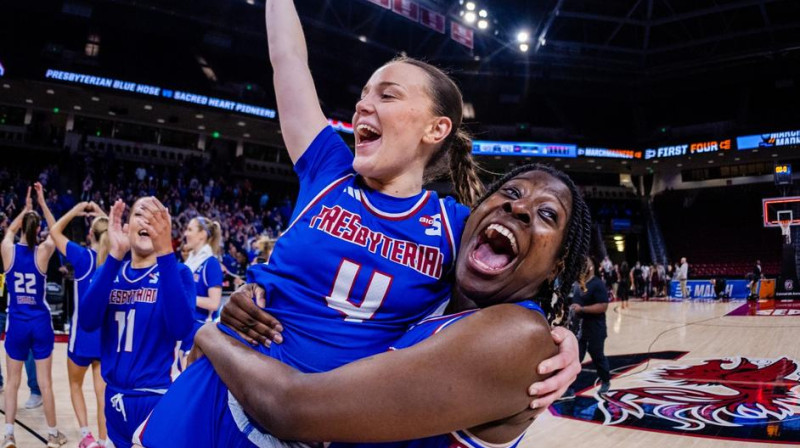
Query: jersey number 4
point(24, 283)
point(125, 329)
point(340, 300)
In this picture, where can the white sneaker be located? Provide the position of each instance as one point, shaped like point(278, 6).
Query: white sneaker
point(9, 441)
point(34, 401)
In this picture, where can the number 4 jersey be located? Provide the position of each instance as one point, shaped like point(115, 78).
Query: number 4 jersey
point(355, 268)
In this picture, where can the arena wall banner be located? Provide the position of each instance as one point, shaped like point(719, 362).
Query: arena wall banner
point(385, 3)
point(773, 140)
point(704, 289)
point(432, 19)
point(524, 149)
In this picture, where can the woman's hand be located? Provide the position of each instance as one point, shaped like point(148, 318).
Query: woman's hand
point(158, 224)
point(244, 316)
point(565, 365)
point(39, 193)
point(117, 232)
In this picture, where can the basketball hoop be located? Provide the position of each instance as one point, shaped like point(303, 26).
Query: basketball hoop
point(785, 222)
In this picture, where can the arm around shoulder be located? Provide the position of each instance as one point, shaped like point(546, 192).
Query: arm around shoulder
point(452, 380)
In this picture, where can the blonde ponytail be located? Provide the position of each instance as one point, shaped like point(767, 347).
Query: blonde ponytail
point(99, 232)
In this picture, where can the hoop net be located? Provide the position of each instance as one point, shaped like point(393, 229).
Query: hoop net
point(785, 222)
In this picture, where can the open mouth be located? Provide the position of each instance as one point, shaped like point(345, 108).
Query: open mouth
point(496, 249)
point(367, 134)
point(143, 233)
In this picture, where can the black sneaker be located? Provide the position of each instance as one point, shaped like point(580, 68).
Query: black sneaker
point(604, 387)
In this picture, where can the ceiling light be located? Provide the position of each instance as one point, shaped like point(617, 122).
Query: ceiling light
point(6, 86)
point(470, 6)
point(710, 161)
point(477, 58)
point(483, 13)
point(737, 159)
point(470, 17)
point(201, 127)
point(523, 47)
point(200, 116)
point(148, 107)
point(50, 91)
point(362, 38)
point(774, 155)
point(523, 36)
point(483, 24)
point(161, 120)
point(241, 123)
point(680, 165)
point(94, 98)
point(29, 101)
point(76, 107)
point(112, 113)
point(251, 2)
point(246, 135)
point(566, 166)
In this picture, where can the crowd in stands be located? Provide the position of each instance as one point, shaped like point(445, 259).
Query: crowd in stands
point(248, 216)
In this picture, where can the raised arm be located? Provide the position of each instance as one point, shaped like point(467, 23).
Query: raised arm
point(93, 304)
point(57, 228)
point(452, 380)
point(7, 245)
point(299, 111)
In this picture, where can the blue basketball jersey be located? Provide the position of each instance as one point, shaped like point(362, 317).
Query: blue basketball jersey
point(26, 285)
point(208, 275)
point(355, 268)
point(143, 312)
point(456, 439)
point(84, 260)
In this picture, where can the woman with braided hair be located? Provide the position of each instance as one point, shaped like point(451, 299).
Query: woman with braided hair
point(536, 219)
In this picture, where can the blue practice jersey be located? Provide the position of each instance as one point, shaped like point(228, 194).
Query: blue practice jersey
point(456, 439)
point(26, 285)
point(208, 275)
point(84, 261)
point(143, 312)
point(355, 268)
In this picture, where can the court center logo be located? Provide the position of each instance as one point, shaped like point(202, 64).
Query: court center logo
point(725, 396)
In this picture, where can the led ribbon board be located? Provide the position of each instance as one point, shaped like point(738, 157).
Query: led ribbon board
point(687, 149)
point(609, 153)
point(773, 140)
point(524, 149)
point(175, 95)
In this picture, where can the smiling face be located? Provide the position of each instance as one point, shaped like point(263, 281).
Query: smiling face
point(513, 240)
point(141, 243)
point(396, 130)
point(195, 236)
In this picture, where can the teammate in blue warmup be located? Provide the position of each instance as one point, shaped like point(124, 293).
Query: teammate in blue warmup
point(83, 349)
point(142, 305)
point(29, 326)
point(202, 237)
point(532, 233)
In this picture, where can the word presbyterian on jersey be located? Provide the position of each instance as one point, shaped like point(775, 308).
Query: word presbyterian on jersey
point(346, 225)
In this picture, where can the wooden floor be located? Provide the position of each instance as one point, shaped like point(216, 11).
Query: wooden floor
point(699, 328)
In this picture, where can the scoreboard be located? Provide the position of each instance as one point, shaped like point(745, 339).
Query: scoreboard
point(783, 174)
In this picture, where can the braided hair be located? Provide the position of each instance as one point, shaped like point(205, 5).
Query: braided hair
point(574, 248)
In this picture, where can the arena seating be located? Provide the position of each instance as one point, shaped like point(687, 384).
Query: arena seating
point(719, 230)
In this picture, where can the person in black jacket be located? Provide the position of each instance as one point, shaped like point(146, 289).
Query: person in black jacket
point(591, 307)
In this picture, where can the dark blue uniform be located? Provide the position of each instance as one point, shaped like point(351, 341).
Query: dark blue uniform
point(29, 326)
point(141, 314)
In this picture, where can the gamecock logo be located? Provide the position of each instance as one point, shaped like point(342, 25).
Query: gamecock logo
point(728, 392)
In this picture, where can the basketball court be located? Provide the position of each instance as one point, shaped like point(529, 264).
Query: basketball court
point(737, 382)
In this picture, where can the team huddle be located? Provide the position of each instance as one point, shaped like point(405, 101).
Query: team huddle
point(386, 313)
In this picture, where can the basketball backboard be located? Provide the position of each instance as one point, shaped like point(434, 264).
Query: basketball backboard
point(775, 209)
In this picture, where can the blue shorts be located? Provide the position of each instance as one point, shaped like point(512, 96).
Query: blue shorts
point(81, 361)
point(22, 336)
point(188, 342)
point(125, 413)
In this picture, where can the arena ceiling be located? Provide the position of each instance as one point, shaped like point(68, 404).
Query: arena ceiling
point(607, 73)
